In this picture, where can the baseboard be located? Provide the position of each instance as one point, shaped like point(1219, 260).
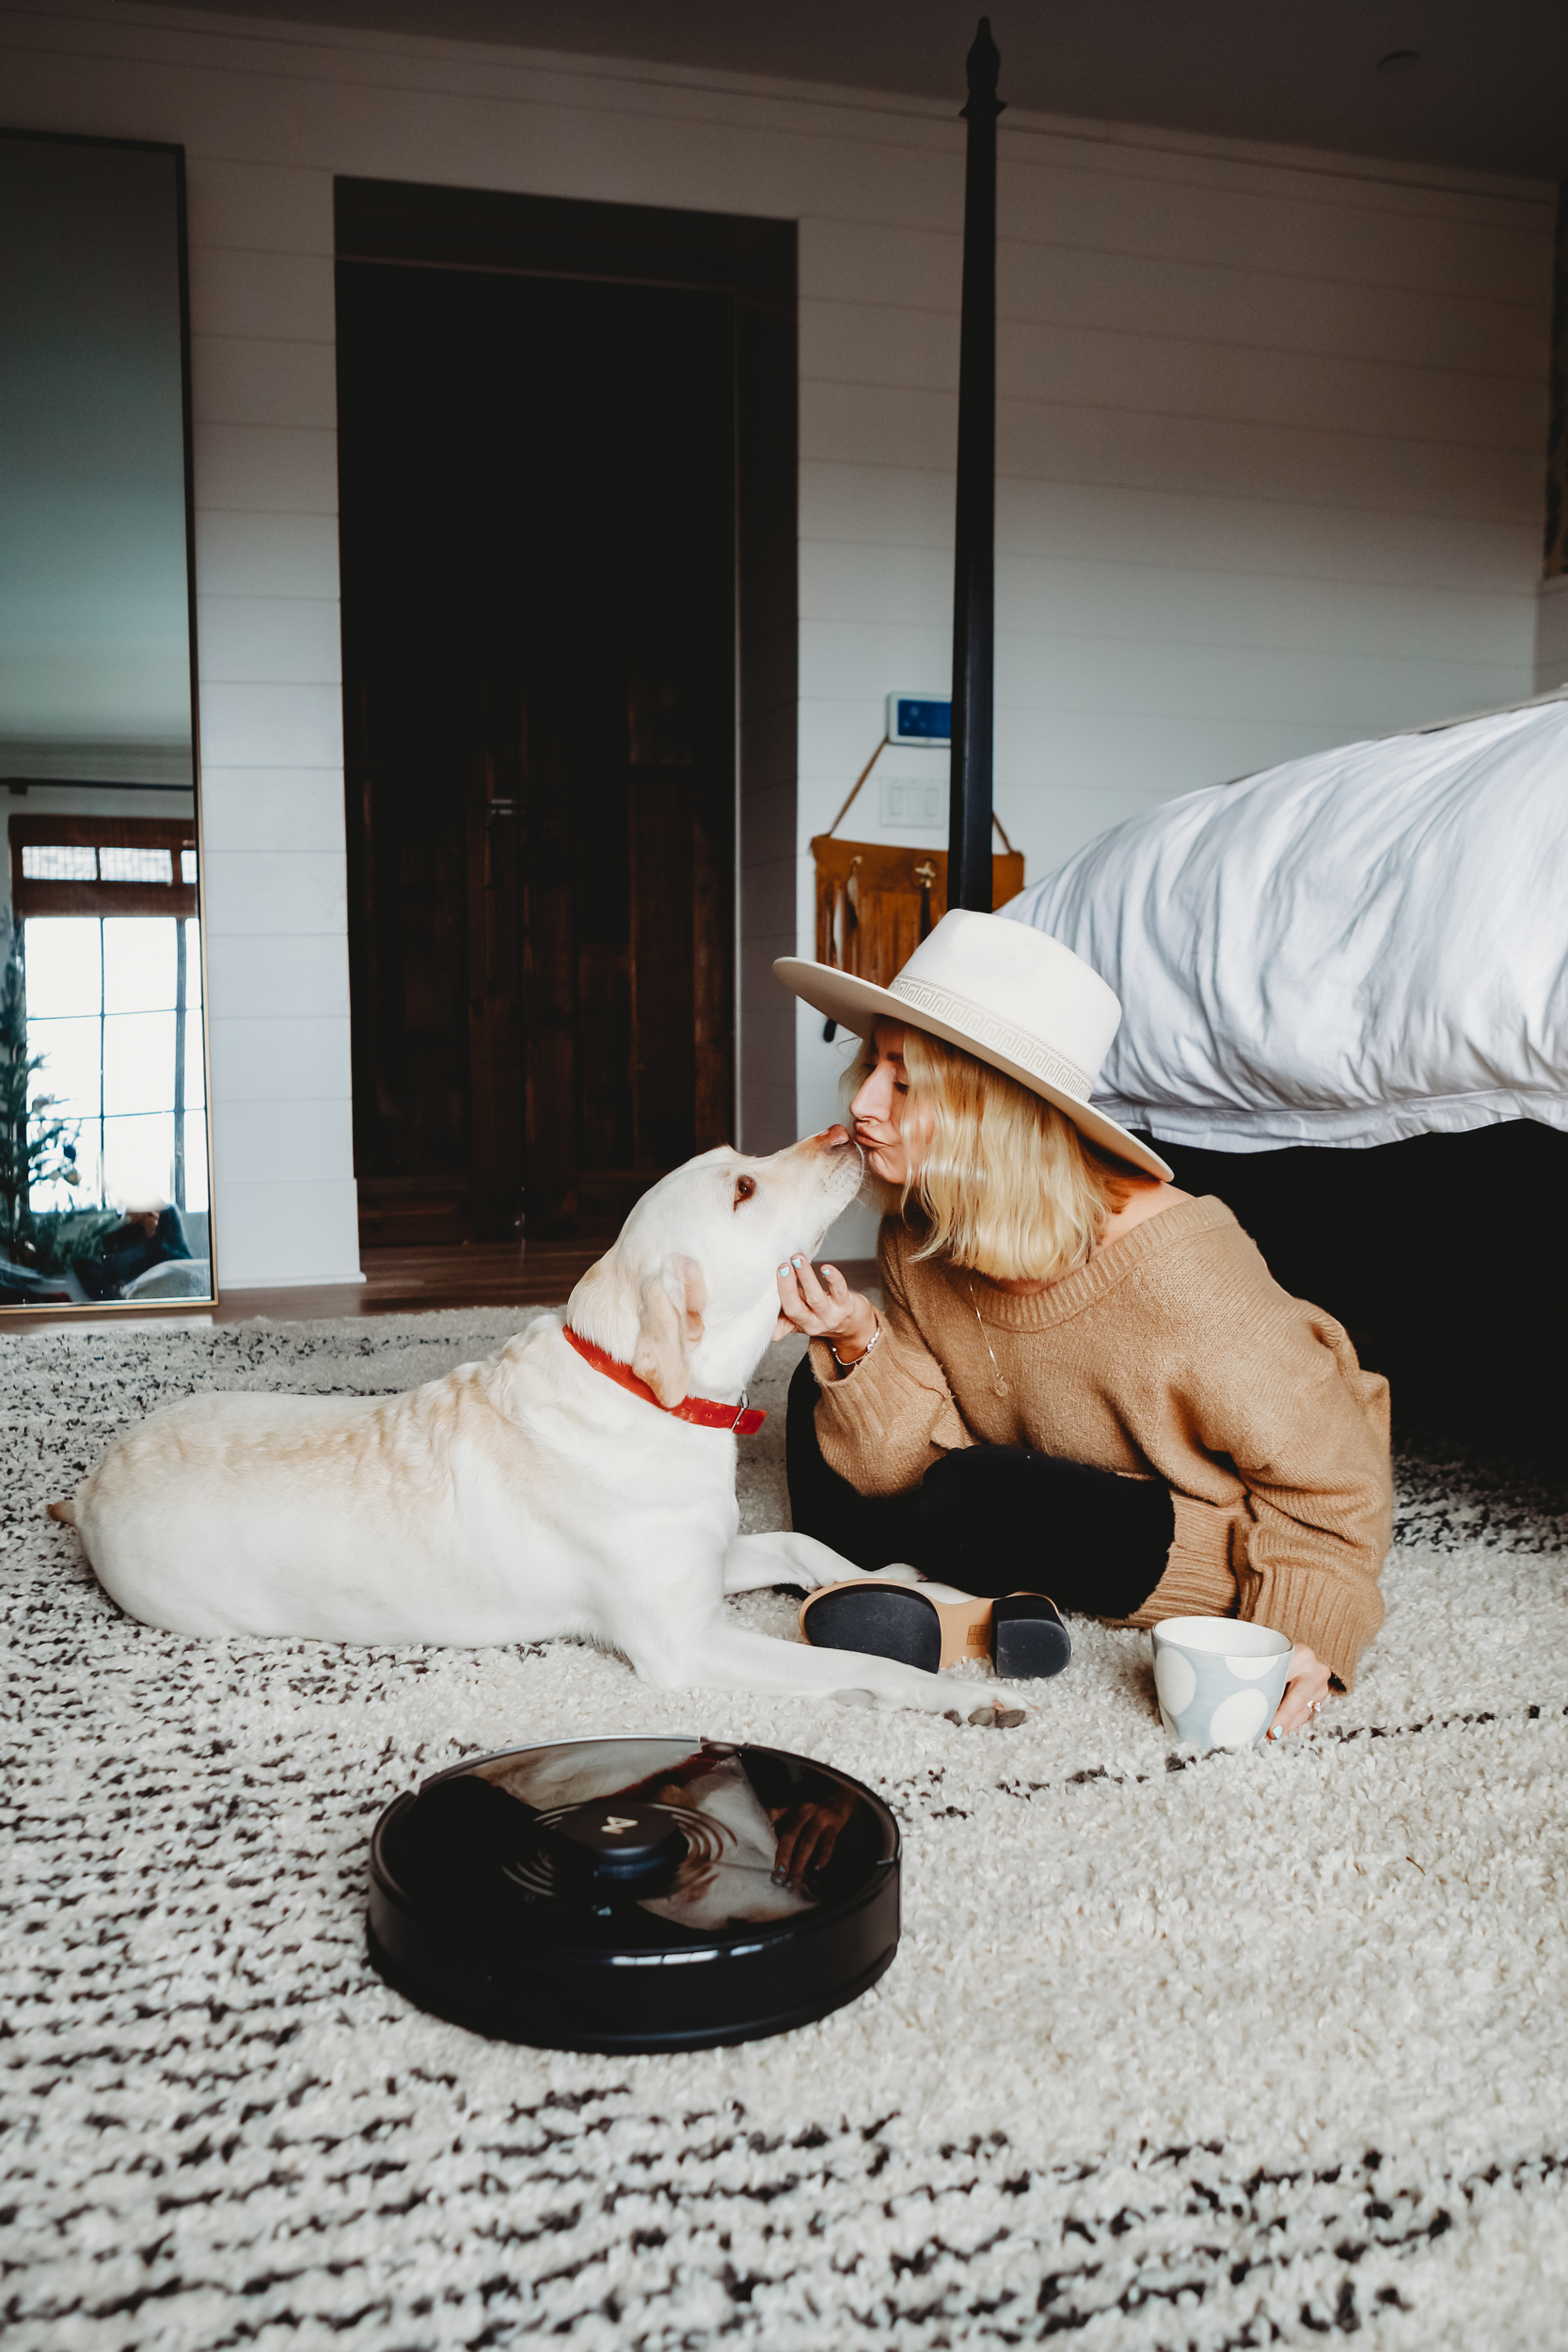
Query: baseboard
point(291, 1282)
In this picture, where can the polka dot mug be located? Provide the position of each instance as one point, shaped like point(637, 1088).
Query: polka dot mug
point(1219, 1681)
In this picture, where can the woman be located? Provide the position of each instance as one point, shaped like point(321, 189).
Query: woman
point(1081, 1380)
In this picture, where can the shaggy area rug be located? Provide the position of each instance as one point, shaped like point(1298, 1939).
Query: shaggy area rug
point(1179, 2050)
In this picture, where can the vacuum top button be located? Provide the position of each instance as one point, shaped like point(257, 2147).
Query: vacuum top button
point(618, 1840)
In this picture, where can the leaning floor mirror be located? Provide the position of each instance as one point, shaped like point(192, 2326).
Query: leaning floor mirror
point(104, 1197)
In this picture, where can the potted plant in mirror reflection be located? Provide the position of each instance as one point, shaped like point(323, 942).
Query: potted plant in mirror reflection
point(36, 1148)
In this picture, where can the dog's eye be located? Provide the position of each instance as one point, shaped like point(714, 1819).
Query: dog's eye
point(744, 1187)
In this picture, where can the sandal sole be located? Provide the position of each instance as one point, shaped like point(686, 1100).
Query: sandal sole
point(899, 1621)
point(1030, 1649)
point(896, 1621)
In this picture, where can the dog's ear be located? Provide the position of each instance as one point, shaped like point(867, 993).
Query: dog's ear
point(670, 1326)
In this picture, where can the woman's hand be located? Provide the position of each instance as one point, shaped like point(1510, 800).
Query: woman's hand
point(805, 1837)
point(1306, 1689)
point(824, 1308)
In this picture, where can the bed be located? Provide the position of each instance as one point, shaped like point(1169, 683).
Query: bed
point(1346, 983)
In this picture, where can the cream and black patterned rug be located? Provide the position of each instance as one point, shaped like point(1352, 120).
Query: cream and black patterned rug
point(1177, 2052)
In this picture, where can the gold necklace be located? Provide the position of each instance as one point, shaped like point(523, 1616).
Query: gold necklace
point(1002, 1389)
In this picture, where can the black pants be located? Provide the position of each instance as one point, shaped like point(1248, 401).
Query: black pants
point(990, 1519)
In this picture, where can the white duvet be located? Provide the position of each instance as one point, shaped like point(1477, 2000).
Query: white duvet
point(1369, 943)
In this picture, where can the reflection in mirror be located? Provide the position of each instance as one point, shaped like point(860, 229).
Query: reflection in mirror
point(102, 1019)
point(104, 1153)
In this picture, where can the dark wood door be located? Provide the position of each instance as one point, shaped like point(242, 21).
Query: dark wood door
point(538, 579)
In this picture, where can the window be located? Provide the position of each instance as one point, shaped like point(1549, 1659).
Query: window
point(111, 947)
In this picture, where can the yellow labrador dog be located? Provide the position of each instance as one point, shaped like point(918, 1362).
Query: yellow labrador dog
point(535, 1495)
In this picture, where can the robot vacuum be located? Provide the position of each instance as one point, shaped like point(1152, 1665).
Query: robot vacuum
point(623, 1894)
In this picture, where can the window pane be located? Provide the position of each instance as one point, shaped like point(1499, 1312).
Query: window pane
point(138, 1063)
point(138, 962)
point(44, 1199)
point(193, 962)
point(135, 865)
point(62, 952)
point(88, 1194)
point(187, 865)
point(196, 1174)
point(138, 1160)
point(70, 1050)
point(196, 1094)
point(61, 861)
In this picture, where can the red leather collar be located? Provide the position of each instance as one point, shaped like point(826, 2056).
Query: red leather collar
point(743, 1420)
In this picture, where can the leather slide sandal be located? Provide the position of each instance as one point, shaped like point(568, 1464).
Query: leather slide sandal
point(935, 1624)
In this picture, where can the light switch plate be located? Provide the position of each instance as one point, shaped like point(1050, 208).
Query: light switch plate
point(907, 802)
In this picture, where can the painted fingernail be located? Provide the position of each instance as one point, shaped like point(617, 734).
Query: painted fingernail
point(783, 1273)
point(797, 1262)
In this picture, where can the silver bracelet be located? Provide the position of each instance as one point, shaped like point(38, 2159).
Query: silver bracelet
point(854, 1361)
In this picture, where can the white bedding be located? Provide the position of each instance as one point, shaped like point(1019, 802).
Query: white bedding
point(1369, 943)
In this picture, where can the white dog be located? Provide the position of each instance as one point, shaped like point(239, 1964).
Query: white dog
point(524, 1498)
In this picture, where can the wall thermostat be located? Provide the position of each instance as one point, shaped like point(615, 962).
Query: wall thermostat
point(919, 719)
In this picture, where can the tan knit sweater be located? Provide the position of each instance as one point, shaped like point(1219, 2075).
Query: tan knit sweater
point(1173, 1354)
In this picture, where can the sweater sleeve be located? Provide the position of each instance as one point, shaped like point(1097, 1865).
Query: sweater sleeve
point(883, 1425)
point(1308, 1432)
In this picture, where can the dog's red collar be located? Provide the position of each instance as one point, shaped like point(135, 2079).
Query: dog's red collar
point(743, 1420)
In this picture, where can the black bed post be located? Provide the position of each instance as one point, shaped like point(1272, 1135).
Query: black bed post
point(968, 869)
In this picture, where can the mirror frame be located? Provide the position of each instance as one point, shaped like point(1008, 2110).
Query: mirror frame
point(179, 1310)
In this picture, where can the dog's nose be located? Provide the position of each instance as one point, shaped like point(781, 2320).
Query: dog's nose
point(836, 1138)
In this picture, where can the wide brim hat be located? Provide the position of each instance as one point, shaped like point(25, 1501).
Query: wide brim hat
point(1007, 995)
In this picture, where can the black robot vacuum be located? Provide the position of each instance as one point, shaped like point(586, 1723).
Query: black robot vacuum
point(616, 1895)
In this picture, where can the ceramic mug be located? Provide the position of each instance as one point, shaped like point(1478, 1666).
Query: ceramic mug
point(1219, 1681)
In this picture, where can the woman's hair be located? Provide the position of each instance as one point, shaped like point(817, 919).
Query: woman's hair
point(1006, 1182)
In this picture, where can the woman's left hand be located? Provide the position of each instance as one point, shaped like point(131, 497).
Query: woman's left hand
point(1306, 1689)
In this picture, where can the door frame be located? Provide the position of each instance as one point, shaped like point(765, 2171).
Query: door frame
point(754, 261)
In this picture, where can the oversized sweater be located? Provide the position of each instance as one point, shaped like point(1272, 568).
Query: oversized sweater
point(1174, 1354)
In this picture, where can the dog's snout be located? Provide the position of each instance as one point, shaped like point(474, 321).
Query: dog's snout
point(836, 1138)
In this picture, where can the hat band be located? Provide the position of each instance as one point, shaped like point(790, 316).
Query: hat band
point(988, 1029)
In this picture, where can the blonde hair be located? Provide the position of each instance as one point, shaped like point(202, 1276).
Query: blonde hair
point(1006, 1184)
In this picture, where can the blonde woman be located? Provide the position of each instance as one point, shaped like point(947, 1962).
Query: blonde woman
point(1082, 1387)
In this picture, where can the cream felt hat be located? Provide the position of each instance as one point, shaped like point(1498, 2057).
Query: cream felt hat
point(1005, 994)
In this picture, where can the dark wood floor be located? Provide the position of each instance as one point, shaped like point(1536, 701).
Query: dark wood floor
point(404, 1281)
point(412, 1281)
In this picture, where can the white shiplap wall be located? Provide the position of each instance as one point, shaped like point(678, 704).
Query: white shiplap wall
point(1270, 454)
point(265, 398)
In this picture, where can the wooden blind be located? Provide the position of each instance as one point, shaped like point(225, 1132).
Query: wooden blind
point(102, 883)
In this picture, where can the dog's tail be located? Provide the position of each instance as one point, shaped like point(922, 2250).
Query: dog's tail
point(65, 1511)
